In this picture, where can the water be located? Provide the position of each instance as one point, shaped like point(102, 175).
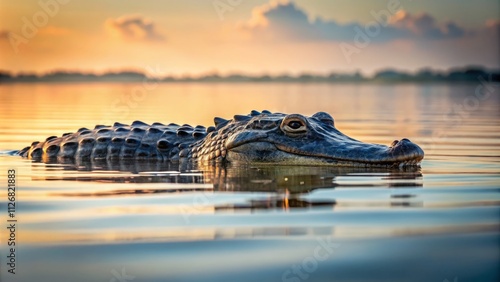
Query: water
point(144, 222)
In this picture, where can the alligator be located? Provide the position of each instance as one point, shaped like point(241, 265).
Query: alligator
point(258, 137)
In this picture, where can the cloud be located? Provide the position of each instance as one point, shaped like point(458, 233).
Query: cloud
point(133, 27)
point(425, 26)
point(283, 19)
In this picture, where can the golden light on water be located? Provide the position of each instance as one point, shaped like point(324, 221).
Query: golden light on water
point(33, 112)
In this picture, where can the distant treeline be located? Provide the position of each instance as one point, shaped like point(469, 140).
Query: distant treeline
point(467, 74)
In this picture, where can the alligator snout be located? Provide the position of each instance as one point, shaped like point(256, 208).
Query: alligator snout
point(405, 150)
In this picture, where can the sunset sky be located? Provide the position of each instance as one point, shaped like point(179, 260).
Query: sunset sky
point(249, 36)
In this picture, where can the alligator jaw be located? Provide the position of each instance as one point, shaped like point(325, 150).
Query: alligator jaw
point(403, 154)
point(305, 158)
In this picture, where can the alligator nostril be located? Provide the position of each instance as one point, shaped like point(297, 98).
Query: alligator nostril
point(394, 143)
point(406, 139)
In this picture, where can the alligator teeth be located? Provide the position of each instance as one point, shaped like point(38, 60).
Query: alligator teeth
point(409, 163)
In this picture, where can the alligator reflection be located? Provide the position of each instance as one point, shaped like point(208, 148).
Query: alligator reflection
point(303, 179)
point(291, 182)
point(285, 183)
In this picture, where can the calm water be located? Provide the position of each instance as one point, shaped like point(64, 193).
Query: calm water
point(144, 222)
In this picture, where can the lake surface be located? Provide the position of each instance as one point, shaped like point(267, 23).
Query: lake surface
point(143, 222)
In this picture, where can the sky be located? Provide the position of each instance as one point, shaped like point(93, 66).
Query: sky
point(197, 37)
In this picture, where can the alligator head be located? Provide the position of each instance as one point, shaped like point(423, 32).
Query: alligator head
point(299, 140)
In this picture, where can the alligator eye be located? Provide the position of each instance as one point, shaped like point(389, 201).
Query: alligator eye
point(294, 125)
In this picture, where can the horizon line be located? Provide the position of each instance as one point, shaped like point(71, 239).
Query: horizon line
point(217, 73)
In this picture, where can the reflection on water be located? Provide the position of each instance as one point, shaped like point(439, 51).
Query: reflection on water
point(288, 182)
point(168, 222)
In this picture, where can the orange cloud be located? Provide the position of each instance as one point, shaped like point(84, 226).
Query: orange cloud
point(425, 25)
point(259, 17)
point(133, 27)
point(287, 20)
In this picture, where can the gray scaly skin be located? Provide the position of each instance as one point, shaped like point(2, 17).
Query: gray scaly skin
point(266, 137)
